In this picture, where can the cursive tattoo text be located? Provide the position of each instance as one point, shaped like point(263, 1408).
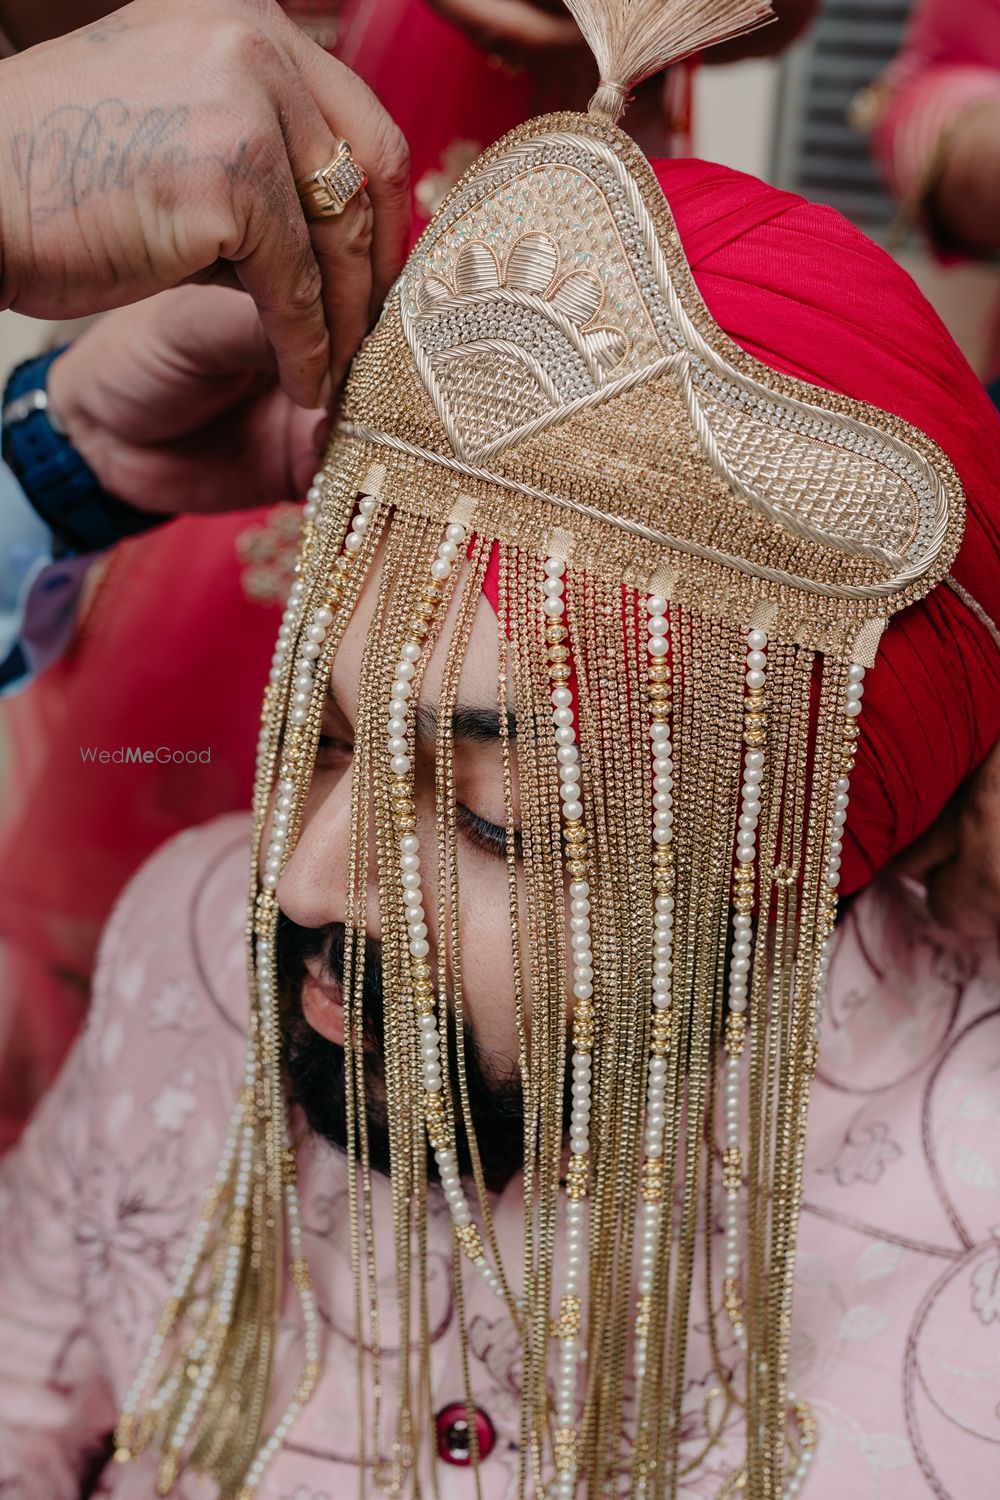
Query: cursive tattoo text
point(79, 151)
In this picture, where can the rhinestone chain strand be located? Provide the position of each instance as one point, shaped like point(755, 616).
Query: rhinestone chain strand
point(755, 738)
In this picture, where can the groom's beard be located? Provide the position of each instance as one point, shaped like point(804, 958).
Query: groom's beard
point(316, 1069)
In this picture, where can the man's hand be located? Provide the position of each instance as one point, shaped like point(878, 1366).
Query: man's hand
point(175, 405)
point(958, 858)
point(162, 145)
point(513, 29)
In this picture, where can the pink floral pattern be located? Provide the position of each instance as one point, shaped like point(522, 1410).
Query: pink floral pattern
point(897, 1320)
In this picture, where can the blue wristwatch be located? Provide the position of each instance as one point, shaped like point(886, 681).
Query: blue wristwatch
point(57, 480)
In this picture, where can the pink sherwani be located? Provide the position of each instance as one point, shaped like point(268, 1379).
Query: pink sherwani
point(897, 1327)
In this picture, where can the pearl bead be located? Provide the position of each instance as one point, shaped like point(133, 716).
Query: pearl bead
point(399, 765)
point(657, 625)
point(455, 532)
point(440, 569)
point(554, 567)
point(657, 645)
point(562, 697)
point(554, 607)
point(553, 588)
point(352, 542)
point(757, 639)
point(656, 605)
point(755, 679)
point(448, 551)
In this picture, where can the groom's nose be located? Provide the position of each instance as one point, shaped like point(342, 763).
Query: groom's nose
point(312, 890)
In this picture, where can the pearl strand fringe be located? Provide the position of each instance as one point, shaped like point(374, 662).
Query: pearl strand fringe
point(433, 1046)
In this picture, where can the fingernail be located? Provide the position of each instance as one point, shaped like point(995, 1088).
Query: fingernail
point(322, 434)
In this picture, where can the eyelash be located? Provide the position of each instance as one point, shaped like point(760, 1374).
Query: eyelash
point(486, 836)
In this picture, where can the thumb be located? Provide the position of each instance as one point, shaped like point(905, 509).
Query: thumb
point(215, 331)
point(306, 436)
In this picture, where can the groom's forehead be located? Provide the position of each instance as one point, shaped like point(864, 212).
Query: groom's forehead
point(476, 719)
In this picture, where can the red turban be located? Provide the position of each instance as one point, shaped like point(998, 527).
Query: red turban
point(805, 292)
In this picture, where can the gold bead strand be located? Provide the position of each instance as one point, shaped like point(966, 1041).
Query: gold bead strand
point(658, 682)
point(754, 739)
point(804, 1415)
point(569, 1329)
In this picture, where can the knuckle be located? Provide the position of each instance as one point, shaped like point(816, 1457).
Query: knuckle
point(239, 46)
point(304, 292)
point(358, 226)
point(392, 158)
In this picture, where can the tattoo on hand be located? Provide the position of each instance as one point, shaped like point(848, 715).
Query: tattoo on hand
point(100, 31)
point(78, 151)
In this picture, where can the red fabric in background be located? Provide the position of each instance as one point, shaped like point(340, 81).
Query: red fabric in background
point(806, 293)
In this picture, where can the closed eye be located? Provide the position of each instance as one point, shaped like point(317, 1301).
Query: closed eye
point(487, 836)
point(331, 750)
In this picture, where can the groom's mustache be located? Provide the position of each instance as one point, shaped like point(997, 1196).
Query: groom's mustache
point(316, 1068)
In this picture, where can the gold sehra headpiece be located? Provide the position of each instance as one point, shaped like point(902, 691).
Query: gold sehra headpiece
point(681, 533)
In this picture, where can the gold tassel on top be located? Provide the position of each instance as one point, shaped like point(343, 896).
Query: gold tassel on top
point(632, 39)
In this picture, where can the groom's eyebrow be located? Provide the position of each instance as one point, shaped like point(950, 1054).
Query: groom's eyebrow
point(469, 723)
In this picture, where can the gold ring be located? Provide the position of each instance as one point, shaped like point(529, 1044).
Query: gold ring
point(329, 190)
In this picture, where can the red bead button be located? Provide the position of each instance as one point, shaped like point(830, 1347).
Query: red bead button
point(454, 1440)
